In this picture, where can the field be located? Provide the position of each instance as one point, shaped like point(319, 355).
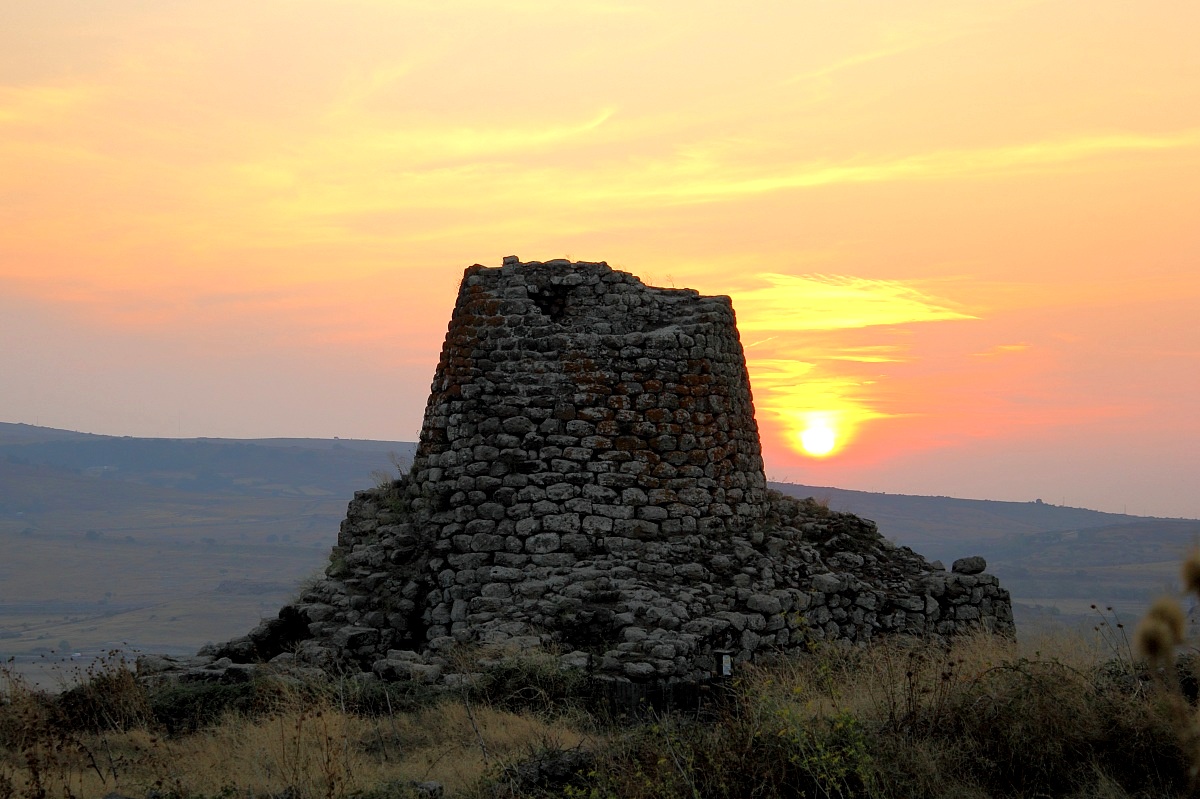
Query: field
point(109, 548)
point(163, 545)
point(1060, 717)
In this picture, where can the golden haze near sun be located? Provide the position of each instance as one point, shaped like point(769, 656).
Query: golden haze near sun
point(960, 238)
point(819, 437)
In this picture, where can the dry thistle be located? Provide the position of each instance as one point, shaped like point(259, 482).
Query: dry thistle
point(1191, 572)
point(1154, 641)
point(1168, 611)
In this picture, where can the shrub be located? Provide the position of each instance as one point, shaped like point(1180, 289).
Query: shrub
point(183, 708)
point(523, 681)
point(905, 720)
point(107, 698)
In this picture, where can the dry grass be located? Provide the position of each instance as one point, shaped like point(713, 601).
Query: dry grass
point(909, 719)
point(306, 743)
point(984, 719)
point(324, 752)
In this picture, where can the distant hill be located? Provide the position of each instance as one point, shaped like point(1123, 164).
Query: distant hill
point(251, 467)
point(1056, 561)
point(945, 527)
point(166, 543)
point(163, 544)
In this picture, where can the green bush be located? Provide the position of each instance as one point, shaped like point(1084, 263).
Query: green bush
point(184, 708)
point(531, 681)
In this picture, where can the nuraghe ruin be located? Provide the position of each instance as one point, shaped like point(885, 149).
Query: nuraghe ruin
point(589, 478)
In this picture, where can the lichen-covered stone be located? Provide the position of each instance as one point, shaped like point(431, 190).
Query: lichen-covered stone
point(972, 565)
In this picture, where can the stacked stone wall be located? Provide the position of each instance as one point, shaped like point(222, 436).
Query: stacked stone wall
point(589, 477)
point(573, 404)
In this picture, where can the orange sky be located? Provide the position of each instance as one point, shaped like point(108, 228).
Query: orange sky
point(961, 238)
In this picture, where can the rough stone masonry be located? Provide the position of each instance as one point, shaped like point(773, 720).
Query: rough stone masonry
point(589, 478)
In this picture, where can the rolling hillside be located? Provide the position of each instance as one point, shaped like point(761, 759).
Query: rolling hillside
point(164, 544)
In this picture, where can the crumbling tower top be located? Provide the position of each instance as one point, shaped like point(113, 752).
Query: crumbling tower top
point(624, 408)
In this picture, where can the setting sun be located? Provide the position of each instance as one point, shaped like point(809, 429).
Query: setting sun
point(216, 215)
point(819, 438)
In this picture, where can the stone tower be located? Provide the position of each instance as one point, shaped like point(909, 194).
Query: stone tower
point(589, 477)
point(573, 404)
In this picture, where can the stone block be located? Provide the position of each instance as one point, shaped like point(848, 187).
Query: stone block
point(487, 542)
point(504, 574)
point(542, 543)
point(638, 670)
point(561, 523)
point(972, 565)
point(652, 513)
point(553, 559)
point(583, 541)
point(764, 603)
point(827, 583)
point(613, 511)
point(491, 591)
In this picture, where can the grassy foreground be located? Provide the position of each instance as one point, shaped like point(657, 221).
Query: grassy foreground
point(984, 718)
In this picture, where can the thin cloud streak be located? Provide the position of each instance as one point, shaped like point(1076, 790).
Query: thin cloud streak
point(820, 302)
point(944, 165)
point(610, 188)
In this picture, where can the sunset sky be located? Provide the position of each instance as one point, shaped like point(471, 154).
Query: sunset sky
point(962, 238)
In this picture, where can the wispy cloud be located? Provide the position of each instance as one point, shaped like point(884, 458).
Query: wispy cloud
point(728, 181)
point(1001, 350)
point(951, 22)
point(20, 105)
point(851, 61)
point(538, 7)
point(802, 384)
point(415, 144)
point(795, 303)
